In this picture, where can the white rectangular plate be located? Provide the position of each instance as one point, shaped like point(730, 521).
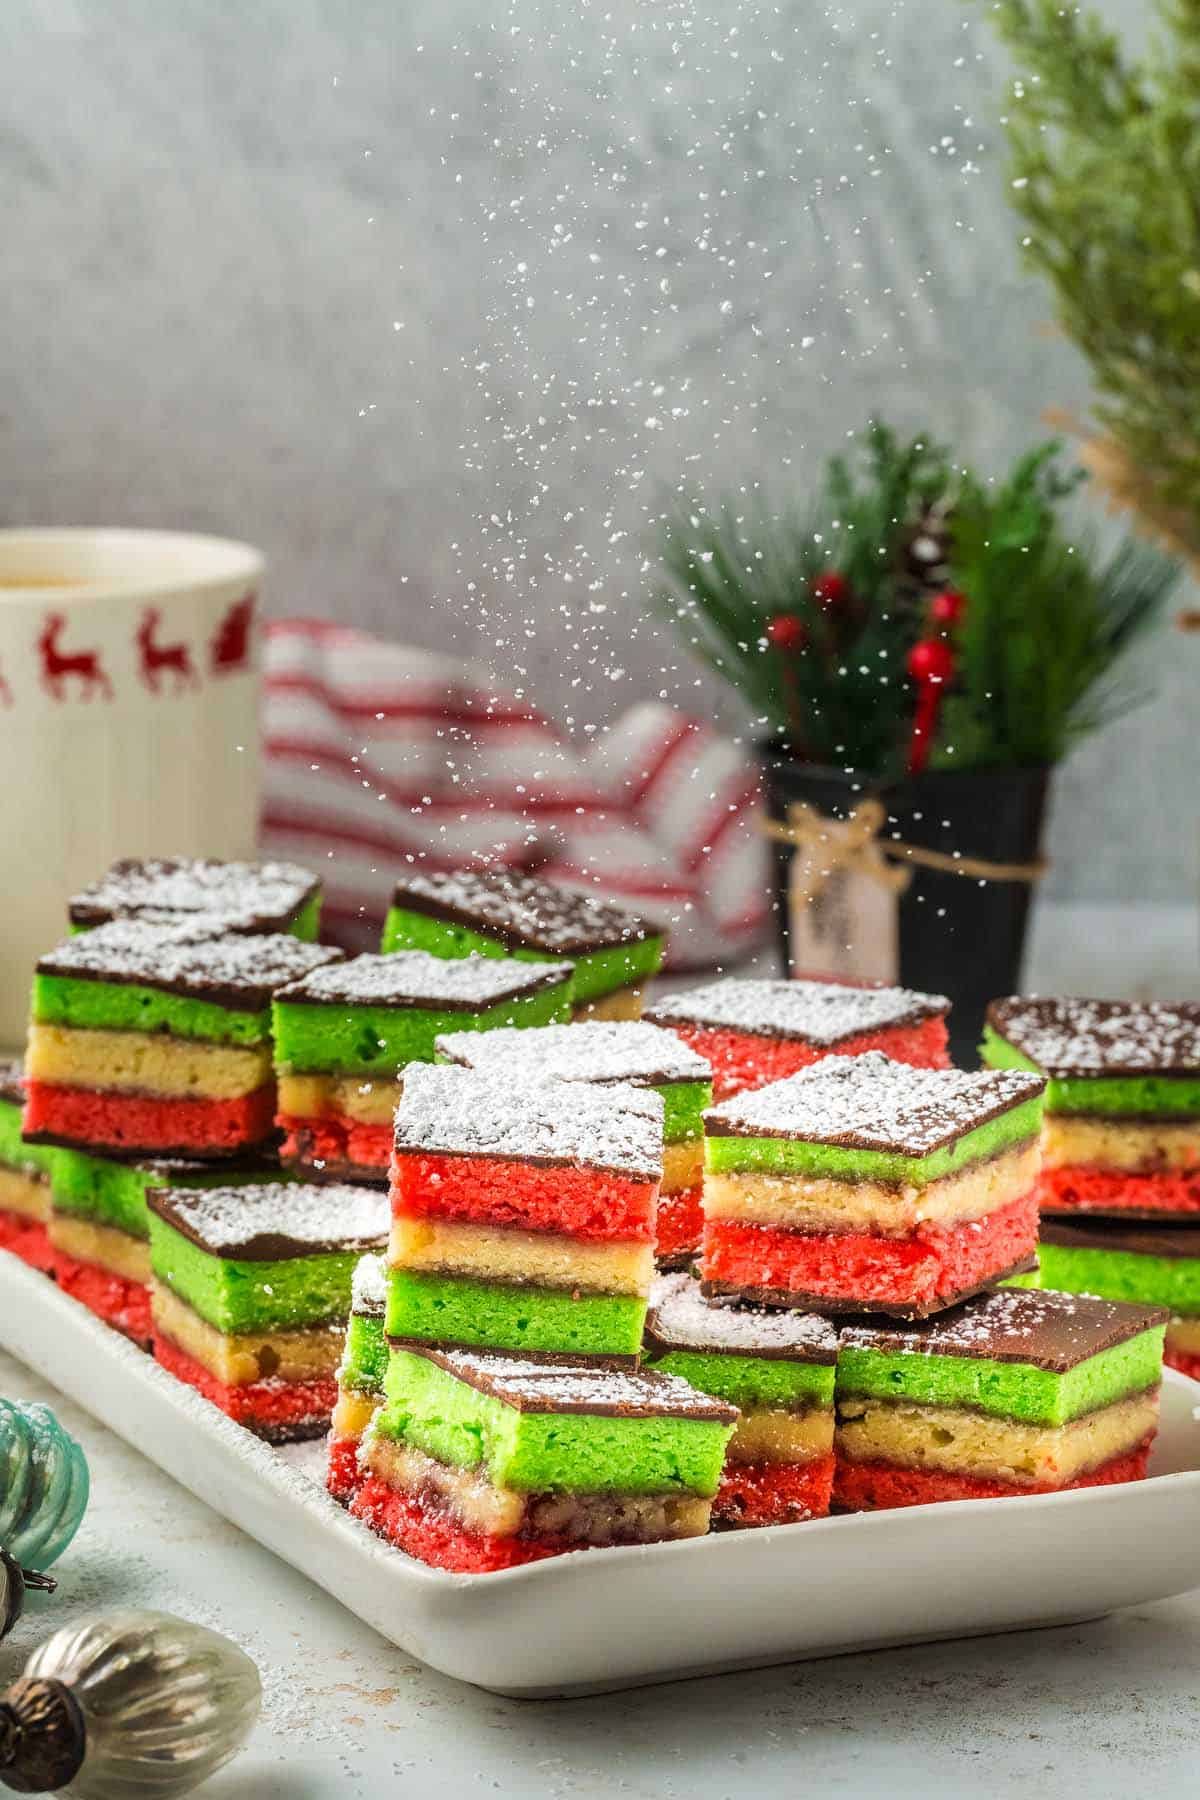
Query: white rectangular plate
point(619, 1618)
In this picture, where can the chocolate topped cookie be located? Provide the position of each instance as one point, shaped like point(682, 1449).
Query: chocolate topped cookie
point(239, 896)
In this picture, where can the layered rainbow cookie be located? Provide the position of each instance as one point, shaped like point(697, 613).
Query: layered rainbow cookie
point(523, 1215)
point(99, 1228)
point(498, 913)
point(359, 1376)
point(1014, 1393)
point(343, 1035)
point(251, 1288)
point(1148, 1264)
point(754, 1032)
point(777, 1368)
point(477, 1463)
point(867, 1185)
point(24, 1178)
point(606, 1051)
point(1121, 1132)
point(157, 1039)
point(260, 898)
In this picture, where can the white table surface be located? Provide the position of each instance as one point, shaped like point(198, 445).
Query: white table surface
point(346, 1715)
point(1103, 1707)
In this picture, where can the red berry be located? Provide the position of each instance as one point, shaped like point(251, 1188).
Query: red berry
point(830, 590)
point(787, 631)
point(931, 660)
point(948, 608)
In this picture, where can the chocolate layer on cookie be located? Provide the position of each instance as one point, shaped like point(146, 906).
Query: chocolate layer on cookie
point(464, 1112)
point(816, 1012)
point(520, 912)
point(243, 897)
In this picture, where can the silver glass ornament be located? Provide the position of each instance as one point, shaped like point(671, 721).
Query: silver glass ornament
point(43, 1484)
point(126, 1706)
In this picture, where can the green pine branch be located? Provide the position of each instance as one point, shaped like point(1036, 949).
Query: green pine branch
point(1037, 652)
point(1106, 177)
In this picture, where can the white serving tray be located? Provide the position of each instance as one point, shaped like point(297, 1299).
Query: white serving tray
point(620, 1618)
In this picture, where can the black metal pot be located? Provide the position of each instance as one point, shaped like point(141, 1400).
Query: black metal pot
point(957, 936)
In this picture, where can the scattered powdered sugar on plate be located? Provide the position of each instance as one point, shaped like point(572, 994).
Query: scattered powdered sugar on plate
point(296, 1216)
point(370, 1286)
point(870, 1102)
point(188, 958)
point(471, 1112)
point(819, 1012)
point(416, 978)
point(597, 1050)
point(1102, 1037)
point(521, 908)
point(680, 1317)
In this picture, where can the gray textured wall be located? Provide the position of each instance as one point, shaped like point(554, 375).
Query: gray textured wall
point(437, 302)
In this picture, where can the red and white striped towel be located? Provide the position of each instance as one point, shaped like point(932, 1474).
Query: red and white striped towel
point(379, 756)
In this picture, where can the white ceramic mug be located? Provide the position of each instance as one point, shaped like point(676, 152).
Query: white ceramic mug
point(129, 689)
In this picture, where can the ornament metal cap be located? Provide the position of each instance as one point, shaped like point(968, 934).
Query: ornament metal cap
point(42, 1736)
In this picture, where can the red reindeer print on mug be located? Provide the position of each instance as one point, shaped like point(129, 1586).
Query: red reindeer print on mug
point(160, 659)
point(230, 647)
point(57, 665)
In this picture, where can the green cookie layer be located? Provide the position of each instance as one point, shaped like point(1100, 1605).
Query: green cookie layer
point(306, 924)
point(114, 1193)
point(1168, 1281)
point(1122, 1096)
point(365, 1357)
point(252, 1296)
point(530, 1452)
point(794, 1156)
point(684, 1103)
point(444, 1309)
point(1008, 1390)
point(380, 1040)
point(597, 972)
point(120, 1006)
point(15, 1153)
point(751, 1382)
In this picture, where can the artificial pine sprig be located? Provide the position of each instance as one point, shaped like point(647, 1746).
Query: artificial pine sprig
point(1106, 177)
point(813, 621)
point(921, 618)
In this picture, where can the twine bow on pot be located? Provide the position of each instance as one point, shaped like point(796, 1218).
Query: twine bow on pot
point(853, 845)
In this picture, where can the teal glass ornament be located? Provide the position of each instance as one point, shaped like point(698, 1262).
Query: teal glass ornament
point(43, 1485)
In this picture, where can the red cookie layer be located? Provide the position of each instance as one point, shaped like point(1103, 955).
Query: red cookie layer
point(1079, 1188)
point(680, 1225)
point(741, 1060)
point(416, 1525)
point(774, 1493)
point(1187, 1362)
point(141, 1122)
point(876, 1487)
point(26, 1238)
point(279, 1411)
point(337, 1141)
point(853, 1266)
point(590, 1203)
point(125, 1305)
point(344, 1477)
